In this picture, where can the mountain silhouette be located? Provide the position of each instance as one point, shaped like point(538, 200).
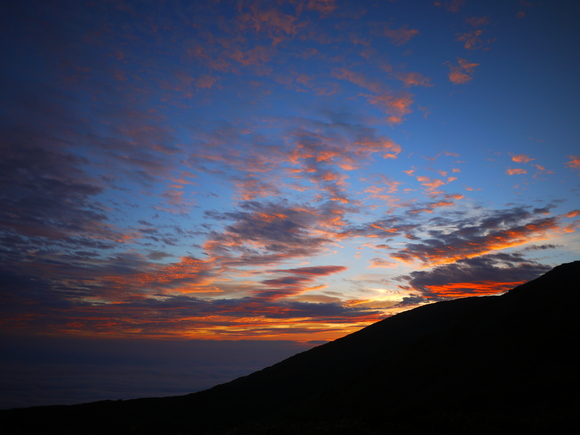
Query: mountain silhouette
point(477, 365)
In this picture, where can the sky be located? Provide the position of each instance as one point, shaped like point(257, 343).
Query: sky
point(265, 176)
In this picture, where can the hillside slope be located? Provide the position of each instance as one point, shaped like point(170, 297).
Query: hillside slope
point(472, 365)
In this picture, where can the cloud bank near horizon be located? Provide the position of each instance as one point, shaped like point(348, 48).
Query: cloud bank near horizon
point(263, 171)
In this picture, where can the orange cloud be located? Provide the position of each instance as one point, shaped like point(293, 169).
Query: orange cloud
point(574, 162)
point(521, 158)
point(573, 213)
point(396, 105)
point(466, 289)
point(189, 275)
point(462, 73)
point(433, 183)
point(516, 171)
point(474, 241)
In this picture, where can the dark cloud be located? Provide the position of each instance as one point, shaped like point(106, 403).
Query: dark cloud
point(167, 315)
point(386, 229)
point(44, 192)
point(270, 232)
point(488, 274)
point(314, 270)
point(478, 235)
point(292, 285)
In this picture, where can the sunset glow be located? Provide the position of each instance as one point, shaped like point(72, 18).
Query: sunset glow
point(287, 169)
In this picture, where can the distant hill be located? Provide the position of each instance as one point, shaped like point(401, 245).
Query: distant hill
point(477, 365)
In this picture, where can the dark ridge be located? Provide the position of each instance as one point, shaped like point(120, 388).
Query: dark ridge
point(475, 365)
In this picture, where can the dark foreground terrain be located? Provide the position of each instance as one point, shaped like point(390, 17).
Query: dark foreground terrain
point(482, 365)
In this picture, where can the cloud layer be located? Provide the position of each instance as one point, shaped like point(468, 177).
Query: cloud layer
point(294, 170)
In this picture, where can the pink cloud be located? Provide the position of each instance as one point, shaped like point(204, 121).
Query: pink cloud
point(516, 171)
point(470, 39)
point(205, 82)
point(461, 73)
point(395, 105)
point(272, 22)
point(413, 79)
point(401, 35)
point(255, 56)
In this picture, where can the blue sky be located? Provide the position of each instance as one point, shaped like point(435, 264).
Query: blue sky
point(287, 171)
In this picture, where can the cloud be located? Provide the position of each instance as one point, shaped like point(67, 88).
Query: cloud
point(431, 184)
point(516, 171)
point(396, 105)
point(484, 275)
point(413, 79)
point(477, 21)
point(382, 263)
point(461, 73)
point(310, 151)
point(454, 5)
point(467, 238)
point(271, 232)
point(358, 79)
point(276, 24)
point(574, 162)
point(325, 7)
point(472, 41)
point(314, 270)
point(286, 286)
point(387, 228)
point(521, 158)
point(399, 36)
point(107, 308)
point(429, 207)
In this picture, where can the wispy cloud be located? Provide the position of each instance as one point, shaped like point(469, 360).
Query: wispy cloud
point(399, 36)
point(470, 238)
point(516, 171)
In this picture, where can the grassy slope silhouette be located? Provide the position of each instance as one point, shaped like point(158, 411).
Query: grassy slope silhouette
point(472, 365)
